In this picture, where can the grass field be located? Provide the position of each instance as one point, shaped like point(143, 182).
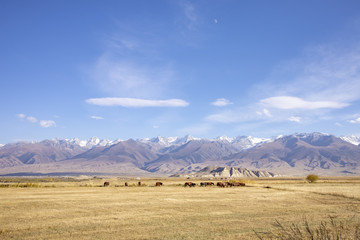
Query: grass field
point(81, 209)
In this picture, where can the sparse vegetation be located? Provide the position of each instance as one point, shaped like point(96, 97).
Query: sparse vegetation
point(331, 229)
point(84, 210)
point(24, 185)
point(312, 178)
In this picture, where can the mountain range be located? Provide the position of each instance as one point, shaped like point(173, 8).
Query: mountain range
point(296, 154)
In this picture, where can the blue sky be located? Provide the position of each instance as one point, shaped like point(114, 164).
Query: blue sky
point(136, 69)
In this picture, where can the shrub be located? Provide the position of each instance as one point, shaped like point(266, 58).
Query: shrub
point(331, 229)
point(312, 178)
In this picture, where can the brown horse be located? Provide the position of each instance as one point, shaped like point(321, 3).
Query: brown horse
point(190, 184)
point(139, 184)
point(126, 184)
point(106, 184)
point(158, 184)
point(238, 184)
point(222, 184)
point(206, 184)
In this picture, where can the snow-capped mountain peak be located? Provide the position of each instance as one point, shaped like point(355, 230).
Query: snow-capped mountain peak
point(351, 139)
point(186, 139)
point(224, 139)
point(163, 140)
point(92, 142)
point(246, 142)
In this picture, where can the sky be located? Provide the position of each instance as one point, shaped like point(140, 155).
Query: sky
point(207, 68)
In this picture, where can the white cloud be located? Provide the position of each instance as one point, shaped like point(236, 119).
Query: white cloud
point(264, 112)
point(295, 119)
point(267, 112)
point(289, 102)
point(32, 119)
point(96, 117)
point(21, 115)
point(137, 102)
point(156, 126)
point(216, 21)
point(47, 123)
point(357, 120)
point(221, 102)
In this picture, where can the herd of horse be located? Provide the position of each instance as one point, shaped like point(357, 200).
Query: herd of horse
point(192, 184)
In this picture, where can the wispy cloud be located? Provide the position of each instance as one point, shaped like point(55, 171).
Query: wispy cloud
point(126, 77)
point(221, 102)
point(21, 115)
point(42, 123)
point(32, 119)
point(288, 102)
point(96, 117)
point(325, 73)
point(137, 102)
point(47, 123)
point(294, 119)
point(357, 120)
point(190, 15)
point(28, 118)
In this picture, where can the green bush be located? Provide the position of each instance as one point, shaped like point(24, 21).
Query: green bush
point(312, 178)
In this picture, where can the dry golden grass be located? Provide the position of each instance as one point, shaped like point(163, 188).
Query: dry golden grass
point(84, 210)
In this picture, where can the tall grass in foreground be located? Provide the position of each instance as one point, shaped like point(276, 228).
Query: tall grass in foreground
point(331, 229)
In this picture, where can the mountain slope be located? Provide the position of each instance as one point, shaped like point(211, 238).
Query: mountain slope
point(46, 151)
point(317, 153)
point(297, 154)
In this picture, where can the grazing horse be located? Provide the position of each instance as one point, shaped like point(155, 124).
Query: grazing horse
point(237, 184)
point(222, 184)
point(190, 184)
point(206, 184)
point(158, 184)
point(139, 184)
point(106, 184)
point(126, 184)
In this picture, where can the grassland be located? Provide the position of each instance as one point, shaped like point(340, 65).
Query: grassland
point(81, 209)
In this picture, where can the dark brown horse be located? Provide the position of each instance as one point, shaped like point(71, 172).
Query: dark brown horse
point(158, 184)
point(106, 184)
point(139, 184)
point(206, 184)
point(237, 184)
point(190, 184)
point(126, 184)
point(222, 184)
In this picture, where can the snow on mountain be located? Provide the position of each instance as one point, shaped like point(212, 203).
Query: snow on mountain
point(245, 142)
point(240, 142)
point(351, 139)
point(186, 139)
point(224, 139)
point(88, 144)
point(169, 141)
point(164, 141)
